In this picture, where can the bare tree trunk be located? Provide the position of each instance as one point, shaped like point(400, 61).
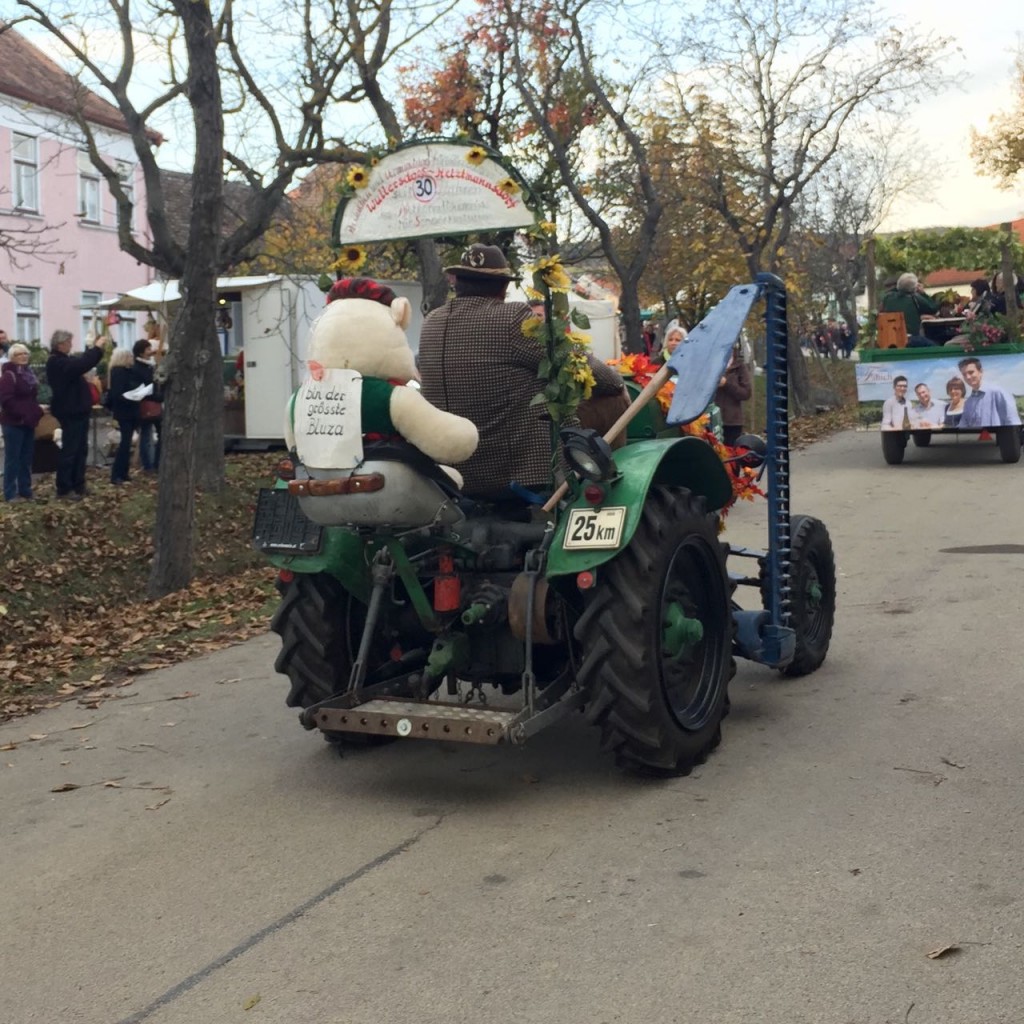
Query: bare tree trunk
point(1009, 284)
point(176, 497)
point(187, 394)
point(799, 379)
point(629, 310)
point(210, 439)
point(432, 277)
point(872, 276)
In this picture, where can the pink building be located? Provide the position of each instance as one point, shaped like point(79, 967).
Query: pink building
point(59, 252)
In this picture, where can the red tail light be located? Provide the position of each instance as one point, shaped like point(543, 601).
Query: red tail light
point(447, 586)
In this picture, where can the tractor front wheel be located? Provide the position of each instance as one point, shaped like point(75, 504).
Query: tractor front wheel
point(812, 573)
point(656, 637)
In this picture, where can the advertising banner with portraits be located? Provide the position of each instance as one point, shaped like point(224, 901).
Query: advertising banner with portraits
point(936, 389)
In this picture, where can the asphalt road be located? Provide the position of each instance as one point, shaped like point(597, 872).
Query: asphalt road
point(238, 870)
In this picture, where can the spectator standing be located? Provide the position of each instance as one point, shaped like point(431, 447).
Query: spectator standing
point(20, 412)
point(125, 411)
point(833, 342)
point(649, 338)
point(846, 339)
point(734, 388)
point(144, 356)
point(5, 344)
point(71, 403)
point(821, 340)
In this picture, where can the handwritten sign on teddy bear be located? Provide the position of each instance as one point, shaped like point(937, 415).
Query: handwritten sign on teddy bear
point(327, 420)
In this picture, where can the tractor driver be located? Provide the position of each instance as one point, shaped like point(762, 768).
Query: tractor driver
point(475, 362)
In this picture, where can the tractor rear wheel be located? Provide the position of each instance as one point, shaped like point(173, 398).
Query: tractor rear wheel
point(656, 638)
point(812, 571)
point(922, 438)
point(320, 625)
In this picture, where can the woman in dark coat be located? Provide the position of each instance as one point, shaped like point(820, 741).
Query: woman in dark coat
point(19, 415)
point(123, 377)
point(71, 403)
point(149, 429)
point(735, 388)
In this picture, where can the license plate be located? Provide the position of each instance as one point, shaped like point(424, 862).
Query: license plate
point(594, 528)
point(280, 528)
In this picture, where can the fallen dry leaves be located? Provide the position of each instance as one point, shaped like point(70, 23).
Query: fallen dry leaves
point(170, 637)
point(75, 622)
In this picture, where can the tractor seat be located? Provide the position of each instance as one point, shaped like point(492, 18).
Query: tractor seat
point(395, 485)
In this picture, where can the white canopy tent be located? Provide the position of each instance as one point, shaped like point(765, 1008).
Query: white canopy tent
point(158, 295)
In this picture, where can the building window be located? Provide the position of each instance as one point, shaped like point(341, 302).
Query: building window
point(88, 191)
point(26, 172)
point(90, 300)
point(126, 175)
point(27, 322)
point(126, 332)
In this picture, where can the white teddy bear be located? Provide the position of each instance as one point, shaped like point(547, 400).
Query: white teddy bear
point(362, 331)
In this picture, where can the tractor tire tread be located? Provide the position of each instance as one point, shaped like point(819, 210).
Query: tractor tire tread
point(618, 671)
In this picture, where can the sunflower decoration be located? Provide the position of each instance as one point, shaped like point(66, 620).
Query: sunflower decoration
point(508, 186)
point(349, 260)
point(532, 327)
point(566, 365)
point(358, 177)
point(476, 155)
point(552, 275)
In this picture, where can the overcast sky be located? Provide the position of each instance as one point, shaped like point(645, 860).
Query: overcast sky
point(959, 195)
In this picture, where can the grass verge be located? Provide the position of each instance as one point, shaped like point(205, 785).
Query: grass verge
point(72, 622)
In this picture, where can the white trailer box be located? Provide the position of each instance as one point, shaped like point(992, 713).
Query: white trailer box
point(270, 326)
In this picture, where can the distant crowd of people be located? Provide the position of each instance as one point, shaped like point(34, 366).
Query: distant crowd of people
point(75, 391)
point(831, 338)
point(907, 296)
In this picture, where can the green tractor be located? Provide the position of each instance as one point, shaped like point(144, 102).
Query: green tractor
point(410, 612)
